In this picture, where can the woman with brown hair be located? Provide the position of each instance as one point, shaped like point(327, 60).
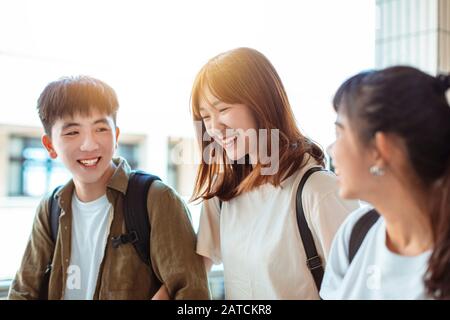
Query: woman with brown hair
point(392, 150)
point(253, 160)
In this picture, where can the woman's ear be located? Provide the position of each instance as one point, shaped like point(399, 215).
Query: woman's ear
point(389, 149)
point(381, 150)
point(47, 143)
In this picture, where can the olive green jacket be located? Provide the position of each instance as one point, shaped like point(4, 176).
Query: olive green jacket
point(122, 274)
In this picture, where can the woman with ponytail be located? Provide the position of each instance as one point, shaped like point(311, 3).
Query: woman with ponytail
point(392, 150)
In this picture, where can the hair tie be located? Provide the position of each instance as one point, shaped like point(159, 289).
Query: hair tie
point(444, 81)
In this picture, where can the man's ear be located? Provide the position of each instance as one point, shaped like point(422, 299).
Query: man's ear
point(117, 135)
point(47, 143)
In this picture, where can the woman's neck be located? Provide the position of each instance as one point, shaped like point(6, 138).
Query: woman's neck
point(408, 226)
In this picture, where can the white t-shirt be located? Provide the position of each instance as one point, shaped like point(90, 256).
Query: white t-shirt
point(90, 225)
point(375, 272)
point(257, 238)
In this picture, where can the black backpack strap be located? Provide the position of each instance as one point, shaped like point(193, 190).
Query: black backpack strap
point(136, 215)
point(313, 261)
point(359, 232)
point(54, 213)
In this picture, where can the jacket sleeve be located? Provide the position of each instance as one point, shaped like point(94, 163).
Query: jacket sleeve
point(30, 281)
point(172, 245)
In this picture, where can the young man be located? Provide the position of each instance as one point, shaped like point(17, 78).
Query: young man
point(86, 261)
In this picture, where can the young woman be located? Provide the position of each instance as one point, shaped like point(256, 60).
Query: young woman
point(253, 159)
point(392, 150)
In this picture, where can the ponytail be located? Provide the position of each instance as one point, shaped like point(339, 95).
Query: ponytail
point(437, 281)
point(438, 277)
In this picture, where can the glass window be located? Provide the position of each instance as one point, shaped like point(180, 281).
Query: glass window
point(130, 152)
point(29, 163)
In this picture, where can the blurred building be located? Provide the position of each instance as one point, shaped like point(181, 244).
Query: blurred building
point(413, 32)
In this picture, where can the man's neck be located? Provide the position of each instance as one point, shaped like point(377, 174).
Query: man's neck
point(87, 192)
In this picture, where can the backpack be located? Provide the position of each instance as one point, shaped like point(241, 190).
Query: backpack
point(359, 232)
point(135, 215)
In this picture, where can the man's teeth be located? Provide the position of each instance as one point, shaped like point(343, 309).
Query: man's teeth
point(90, 162)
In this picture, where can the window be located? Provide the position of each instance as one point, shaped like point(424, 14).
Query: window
point(129, 151)
point(29, 163)
point(173, 168)
point(32, 172)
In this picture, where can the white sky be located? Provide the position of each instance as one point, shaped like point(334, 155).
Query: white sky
point(150, 52)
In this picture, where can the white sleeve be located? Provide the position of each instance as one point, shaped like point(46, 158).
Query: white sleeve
point(208, 238)
point(324, 209)
point(337, 263)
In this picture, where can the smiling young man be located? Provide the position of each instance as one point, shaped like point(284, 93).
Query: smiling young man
point(86, 261)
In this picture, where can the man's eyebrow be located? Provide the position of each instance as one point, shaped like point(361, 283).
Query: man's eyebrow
point(102, 120)
point(69, 125)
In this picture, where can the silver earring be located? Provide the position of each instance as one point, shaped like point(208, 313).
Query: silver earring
point(376, 171)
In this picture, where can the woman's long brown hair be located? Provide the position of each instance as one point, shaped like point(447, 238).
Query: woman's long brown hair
point(246, 76)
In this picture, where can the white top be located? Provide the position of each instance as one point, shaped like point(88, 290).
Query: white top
point(257, 238)
point(375, 272)
point(90, 225)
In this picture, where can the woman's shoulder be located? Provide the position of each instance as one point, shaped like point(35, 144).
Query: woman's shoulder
point(350, 221)
point(319, 182)
point(355, 215)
